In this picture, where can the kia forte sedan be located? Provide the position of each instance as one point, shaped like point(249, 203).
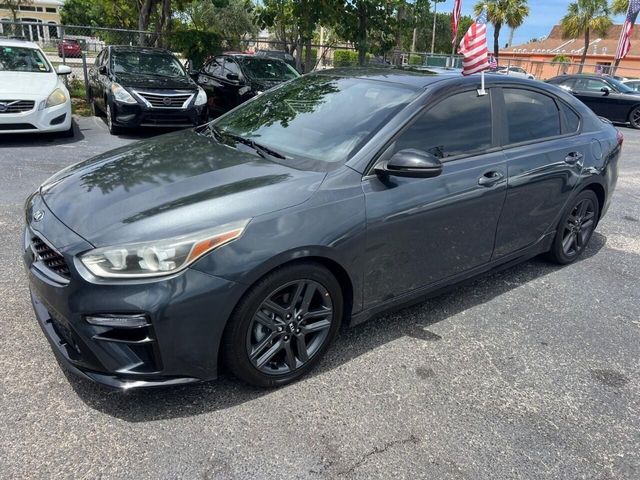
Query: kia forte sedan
point(320, 203)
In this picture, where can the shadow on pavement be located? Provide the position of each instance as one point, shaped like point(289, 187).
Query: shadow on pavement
point(226, 392)
point(22, 140)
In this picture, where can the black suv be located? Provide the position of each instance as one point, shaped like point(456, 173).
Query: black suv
point(232, 79)
point(144, 87)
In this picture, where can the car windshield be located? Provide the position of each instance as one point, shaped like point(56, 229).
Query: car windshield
point(22, 59)
point(268, 69)
point(621, 87)
point(147, 63)
point(317, 117)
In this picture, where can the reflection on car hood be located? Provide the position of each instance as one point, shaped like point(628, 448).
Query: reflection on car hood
point(150, 81)
point(174, 184)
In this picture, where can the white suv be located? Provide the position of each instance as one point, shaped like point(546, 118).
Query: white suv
point(33, 97)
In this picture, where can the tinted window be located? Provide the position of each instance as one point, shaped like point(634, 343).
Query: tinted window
point(591, 85)
point(458, 125)
point(146, 63)
point(230, 66)
point(530, 115)
point(318, 117)
point(268, 69)
point(571, 118)
point(215, 67)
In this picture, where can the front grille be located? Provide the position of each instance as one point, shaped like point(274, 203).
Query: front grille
point(16, 106)
point(52, 259)
point(161, 100)
point(16, 126)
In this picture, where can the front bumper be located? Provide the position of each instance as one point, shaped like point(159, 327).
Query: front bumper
point(137, 115)
point(186, 316)
point(54, 119)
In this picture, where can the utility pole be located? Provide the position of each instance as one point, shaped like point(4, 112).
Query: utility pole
point(433, 36)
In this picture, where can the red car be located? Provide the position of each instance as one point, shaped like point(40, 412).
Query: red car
point(71, 48)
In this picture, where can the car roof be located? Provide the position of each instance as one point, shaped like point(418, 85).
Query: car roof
point(129, 48)
point(11, 42)
point(421, 78)
point(583, 75)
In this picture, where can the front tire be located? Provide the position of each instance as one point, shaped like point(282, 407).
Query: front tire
point(575, 228)
point(283, 325)
point(634, 118)
point(113, 130)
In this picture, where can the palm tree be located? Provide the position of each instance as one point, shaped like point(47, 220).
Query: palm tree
point(502, 12)
point(584, 17)
point(619, 7)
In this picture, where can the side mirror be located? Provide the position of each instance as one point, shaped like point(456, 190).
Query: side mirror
point(605, 90)
point(234, 77)
point(63, 70)
point(102, 70)
point(411, 163)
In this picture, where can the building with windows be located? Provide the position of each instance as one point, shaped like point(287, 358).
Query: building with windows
point(540, 57)
point(45, 12)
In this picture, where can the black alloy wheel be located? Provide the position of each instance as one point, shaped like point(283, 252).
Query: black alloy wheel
point(283, 325)
point(634, 118)
point(576, 228)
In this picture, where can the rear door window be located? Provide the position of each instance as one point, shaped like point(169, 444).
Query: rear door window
point(530, 115)
point(215, 67)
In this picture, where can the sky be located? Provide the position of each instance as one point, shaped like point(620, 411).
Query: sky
point(544, 15)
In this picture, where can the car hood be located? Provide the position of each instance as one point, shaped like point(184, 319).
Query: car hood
point(175, 184)
point(27, 83)
point(148, 81)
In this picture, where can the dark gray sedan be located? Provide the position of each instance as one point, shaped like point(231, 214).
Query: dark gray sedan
point(323, 202)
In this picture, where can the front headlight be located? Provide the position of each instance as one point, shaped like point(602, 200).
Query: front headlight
point(162, 257)
point(201, 99)
point(57, 97)
point(120, 94)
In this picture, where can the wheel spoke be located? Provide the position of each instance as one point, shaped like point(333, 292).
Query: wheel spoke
point(588, 216)
point(568, 242)
point(308, 296)
point(290, 358)
point(316, 326)
point(578, 237)
point(296, 296)
point(274, 308)
point(269, 354)
point(587, 225)
point(325, 312)
point(265, 320)
point(301, 346)
point(582, 209)
point(258, 349)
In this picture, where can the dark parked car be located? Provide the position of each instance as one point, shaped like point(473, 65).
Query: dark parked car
point(144, 87)
point(69, 48)
point(323, 202)
point(606, 96)
point(232, 79)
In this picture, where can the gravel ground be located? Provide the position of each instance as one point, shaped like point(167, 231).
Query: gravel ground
point(532, 373)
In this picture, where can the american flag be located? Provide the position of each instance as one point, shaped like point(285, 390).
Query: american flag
point(493, 63)
point(473, 47)
point(455, 20)
point(624, 44)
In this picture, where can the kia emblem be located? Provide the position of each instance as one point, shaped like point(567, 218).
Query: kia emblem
point(38, 215)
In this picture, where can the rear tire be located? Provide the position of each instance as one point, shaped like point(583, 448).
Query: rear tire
point(575, 228)
point(283, 325)
point(634, 118)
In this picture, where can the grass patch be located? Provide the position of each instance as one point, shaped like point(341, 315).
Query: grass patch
point(79, 106)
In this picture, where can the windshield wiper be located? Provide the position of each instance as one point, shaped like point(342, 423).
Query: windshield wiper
point(260, 149)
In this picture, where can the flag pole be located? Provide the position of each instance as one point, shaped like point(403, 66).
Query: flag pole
point(482, 92)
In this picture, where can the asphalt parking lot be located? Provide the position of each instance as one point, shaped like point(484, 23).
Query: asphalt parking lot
point(533, 372)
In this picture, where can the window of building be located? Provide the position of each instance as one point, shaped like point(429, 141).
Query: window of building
point(51, 10)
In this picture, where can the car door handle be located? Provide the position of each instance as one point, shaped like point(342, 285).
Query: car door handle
point(573, 158)
point(490, 178)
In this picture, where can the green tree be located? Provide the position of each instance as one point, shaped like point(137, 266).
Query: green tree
point(619, 7)
point(584, 17)
point(511, 13)
point(231, 20)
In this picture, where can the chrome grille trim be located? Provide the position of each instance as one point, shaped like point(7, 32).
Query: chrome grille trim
point(165, 100)
point(16, 106)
